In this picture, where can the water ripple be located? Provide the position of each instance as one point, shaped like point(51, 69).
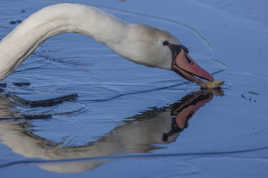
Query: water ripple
point(144, 156)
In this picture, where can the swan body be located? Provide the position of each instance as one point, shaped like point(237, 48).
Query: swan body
point(139, 43)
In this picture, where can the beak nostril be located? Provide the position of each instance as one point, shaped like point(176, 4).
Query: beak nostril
point(189, 60)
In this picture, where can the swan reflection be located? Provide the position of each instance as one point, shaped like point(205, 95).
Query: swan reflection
point(138, 134)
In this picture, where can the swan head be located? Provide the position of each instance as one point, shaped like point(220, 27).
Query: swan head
point(184, 65)
point(157, 48)
point(153, 47)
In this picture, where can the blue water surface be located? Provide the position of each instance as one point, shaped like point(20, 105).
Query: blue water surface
point(117, 124)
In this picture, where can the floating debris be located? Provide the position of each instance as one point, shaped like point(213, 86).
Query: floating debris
point(14, 22)
point(214, 84)
point(21, 84)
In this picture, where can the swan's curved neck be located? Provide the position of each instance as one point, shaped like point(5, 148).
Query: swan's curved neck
point(22, 41)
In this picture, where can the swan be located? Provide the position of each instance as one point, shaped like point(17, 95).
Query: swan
point(139, 43)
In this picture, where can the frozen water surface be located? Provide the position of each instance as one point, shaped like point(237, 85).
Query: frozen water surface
point(133, 121)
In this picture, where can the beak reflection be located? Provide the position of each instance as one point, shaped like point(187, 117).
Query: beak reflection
point(184, 110)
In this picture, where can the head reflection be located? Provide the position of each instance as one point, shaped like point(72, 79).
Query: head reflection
point(183, 110)
point(140, 134)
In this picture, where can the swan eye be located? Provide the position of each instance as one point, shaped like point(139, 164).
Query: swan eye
point(165, 43)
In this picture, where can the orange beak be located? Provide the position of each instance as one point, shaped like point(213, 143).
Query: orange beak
point(184, 65)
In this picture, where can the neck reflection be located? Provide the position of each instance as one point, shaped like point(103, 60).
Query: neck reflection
point(140, 134)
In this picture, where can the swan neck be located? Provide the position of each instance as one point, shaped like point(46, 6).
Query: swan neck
point(52, 20)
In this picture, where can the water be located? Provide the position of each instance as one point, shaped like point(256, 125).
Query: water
point(129, 120)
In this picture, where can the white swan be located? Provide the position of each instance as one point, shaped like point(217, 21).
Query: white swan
point(139, 43)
